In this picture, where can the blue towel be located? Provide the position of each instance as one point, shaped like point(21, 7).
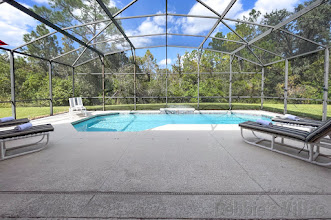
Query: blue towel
point(292, 117)
point(263, 122)
point(7, 119)
point(23, 126)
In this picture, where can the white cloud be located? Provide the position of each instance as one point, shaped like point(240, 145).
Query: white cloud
point(14, 24)
point(155, 25)
point(267, 6)
point(112, 4)
point(163, 62)
point(150, 26)
point(199, 25)
point(189, 25)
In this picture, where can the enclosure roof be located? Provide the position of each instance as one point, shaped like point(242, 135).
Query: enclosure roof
point(111, 30)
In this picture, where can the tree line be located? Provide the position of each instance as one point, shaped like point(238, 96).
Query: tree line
point(305, 73)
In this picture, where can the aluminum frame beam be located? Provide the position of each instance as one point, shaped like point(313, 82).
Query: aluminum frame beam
point(219, 16)
point(248, 60)
point(50, 86)
point(12, 83)
point(286, 86)
point(281, 24)
point(103, 6)
point(103, 82)
point(103, 29)
point(120, 51)
point(73, 81)
point(267, 51)
point(296, 56)
point(50, 24)
point(199, 60)
point(172, 14)
point(226, 10)
point(233, 31)
point(262, 88)
point(166, 1)
point(230, 84)
point(134, 80)
point(30, 55)
point(148, 35)
point(326, 83)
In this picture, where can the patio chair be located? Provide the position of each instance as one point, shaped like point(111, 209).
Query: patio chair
point(313, 140)
point(13, 135)
point(76, 104)
point(301, 122)
point(14, 122)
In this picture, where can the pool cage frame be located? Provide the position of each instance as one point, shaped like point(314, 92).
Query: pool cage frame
point(220, 18)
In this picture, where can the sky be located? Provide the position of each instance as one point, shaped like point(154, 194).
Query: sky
point(14, 24)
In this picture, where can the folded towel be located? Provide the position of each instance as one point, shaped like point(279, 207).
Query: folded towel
point(263, 122)
point(7, 119)
point(23, 126)
point(292, 117)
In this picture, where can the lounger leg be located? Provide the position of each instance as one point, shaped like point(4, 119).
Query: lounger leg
point(47, 138)
point(2, 150)
point(317, 149)
point(272, 141)
point(311, 152)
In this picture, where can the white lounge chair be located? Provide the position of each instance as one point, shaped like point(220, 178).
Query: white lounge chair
point(76, 104)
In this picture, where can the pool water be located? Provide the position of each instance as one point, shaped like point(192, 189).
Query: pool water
point(141, 122)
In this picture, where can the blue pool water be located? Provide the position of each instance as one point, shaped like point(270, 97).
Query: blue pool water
point(141, 122)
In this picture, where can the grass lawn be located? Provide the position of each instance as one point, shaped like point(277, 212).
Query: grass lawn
point(305, 110)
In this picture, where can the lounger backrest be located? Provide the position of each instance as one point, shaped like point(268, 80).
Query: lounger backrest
point(79, 101)
point(319, 132)
point(72, 102)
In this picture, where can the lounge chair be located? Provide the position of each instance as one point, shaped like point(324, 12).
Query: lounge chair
point(301, 122)
point(76, 104)
point(313, 140)
point(12, 135)
point(14, 122)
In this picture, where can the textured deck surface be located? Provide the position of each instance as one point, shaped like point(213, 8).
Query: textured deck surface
point(166, 173)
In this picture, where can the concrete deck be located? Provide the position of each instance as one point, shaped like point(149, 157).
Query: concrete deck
point(161, 173)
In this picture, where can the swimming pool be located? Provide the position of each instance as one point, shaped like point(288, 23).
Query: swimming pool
point(141, 122)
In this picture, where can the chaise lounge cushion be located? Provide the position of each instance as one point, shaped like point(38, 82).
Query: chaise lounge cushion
point(33, 130)
point(303, 122)
point(277, 130)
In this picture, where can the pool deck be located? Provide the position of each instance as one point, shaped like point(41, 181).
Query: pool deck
point(170, 172)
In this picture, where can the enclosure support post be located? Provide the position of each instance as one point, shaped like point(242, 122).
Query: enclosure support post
point(285, 86)
point(134, 80)
point(166, 82)
point(230, 84)
point(103, 82)
point(12, 84)
point(73, 81)
point(262, 88)
point(326, 83)
point(50, 88)
point(166, 48)
point(199, 58)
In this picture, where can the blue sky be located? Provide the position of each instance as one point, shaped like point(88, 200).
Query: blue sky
point(14, 24)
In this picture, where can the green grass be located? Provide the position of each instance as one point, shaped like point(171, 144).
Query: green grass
point(306, 110)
